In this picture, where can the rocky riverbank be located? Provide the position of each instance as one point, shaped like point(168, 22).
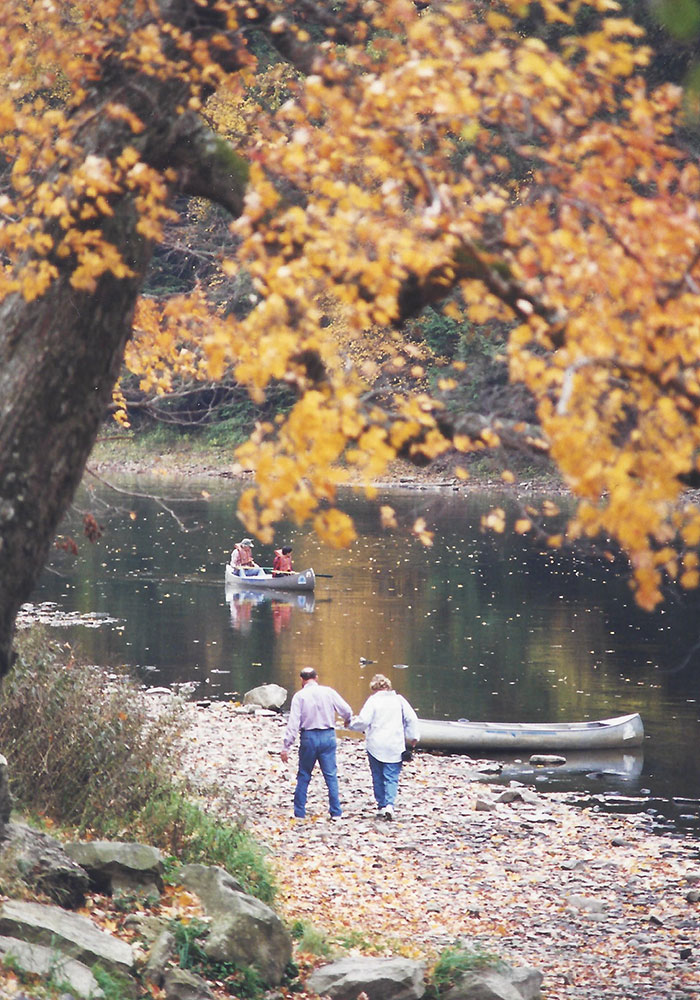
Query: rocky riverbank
point(605, 909)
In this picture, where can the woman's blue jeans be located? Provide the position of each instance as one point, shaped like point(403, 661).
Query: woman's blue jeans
point(317, 745)
point(385, 780)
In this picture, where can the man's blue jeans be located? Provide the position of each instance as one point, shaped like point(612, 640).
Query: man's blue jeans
point(317, 745)
point(385, 780)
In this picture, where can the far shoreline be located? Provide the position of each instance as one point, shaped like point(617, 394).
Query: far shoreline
point(190, 459)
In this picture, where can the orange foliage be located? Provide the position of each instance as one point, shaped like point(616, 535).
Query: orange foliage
point(437, 152)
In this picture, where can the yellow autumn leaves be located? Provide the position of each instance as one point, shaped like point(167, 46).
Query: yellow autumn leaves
point(443, 154)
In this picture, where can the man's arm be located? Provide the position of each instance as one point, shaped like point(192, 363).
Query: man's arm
point(342, 708)
point(293, 723)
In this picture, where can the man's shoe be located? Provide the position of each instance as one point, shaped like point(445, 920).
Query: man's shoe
point(389, 812)
point(334, 819)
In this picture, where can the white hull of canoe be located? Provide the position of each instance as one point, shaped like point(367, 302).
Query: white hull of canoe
point(606, 734)
point(302, 581)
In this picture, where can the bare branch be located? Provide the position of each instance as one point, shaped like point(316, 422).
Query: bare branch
point(147, 496)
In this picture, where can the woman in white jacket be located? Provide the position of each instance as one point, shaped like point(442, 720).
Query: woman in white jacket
point(389, 723)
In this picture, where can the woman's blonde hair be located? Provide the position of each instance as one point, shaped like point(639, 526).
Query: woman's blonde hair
point(380, 683)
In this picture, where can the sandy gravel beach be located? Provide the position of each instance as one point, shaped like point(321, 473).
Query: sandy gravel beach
point(606, 910)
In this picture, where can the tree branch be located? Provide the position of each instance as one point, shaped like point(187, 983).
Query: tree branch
point(470, 263)
point(207, 166)
point(147, 496)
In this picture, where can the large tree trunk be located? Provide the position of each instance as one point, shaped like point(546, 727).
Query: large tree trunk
point(60, 353)
point(59, 359)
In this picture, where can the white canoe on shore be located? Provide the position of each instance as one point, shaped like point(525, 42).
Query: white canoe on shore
point(260, 580)
point(605, 734)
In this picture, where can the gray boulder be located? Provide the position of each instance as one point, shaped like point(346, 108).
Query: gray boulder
point(117, 866)
point(42, 863)
point(69, 933)
point(379, 978)
point(242, 930)
point(528, 981)
point(212, 884)
point(158, 959)
point(266, 696)
point(147, 926)
point(49, 964)
point(180, 984)
point(500, 983)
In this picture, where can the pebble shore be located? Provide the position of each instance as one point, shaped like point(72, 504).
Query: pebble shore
point(604, 908)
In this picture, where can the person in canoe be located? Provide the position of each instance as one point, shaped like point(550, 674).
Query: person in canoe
point(282, 563)
point(242, 559)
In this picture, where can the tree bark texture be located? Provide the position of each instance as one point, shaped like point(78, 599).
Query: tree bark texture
point(59, 359)
point(60, 354)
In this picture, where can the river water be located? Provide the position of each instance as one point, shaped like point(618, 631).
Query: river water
point(478, 626)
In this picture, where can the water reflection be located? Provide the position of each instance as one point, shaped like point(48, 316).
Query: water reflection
point(480, 626)
point(611, 767)
point(282, 603)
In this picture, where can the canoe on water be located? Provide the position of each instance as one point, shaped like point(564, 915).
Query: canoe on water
point(606, 734)
point(258, 579)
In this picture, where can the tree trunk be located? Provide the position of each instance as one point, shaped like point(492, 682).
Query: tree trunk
point(60, 353)
point(59, 359)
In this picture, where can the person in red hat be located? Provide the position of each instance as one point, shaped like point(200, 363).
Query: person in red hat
point(282, 563)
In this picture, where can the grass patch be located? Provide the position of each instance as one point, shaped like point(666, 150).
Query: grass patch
point(310, 940)
point(453, 963)
point(347, 940)
point(113, 985)
point(87, 751)
point(181, 827)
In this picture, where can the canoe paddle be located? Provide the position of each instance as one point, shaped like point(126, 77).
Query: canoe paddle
point(293, 572)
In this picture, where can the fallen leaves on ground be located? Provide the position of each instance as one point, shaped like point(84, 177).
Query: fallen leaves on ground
point(595, 901)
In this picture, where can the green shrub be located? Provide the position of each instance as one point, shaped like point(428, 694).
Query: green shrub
point(82, 746)
point(188, 937)
point(86, 751)
point(442, 333)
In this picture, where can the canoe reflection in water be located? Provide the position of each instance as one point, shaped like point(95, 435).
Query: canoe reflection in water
point(601, 768)
point(283, 603)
